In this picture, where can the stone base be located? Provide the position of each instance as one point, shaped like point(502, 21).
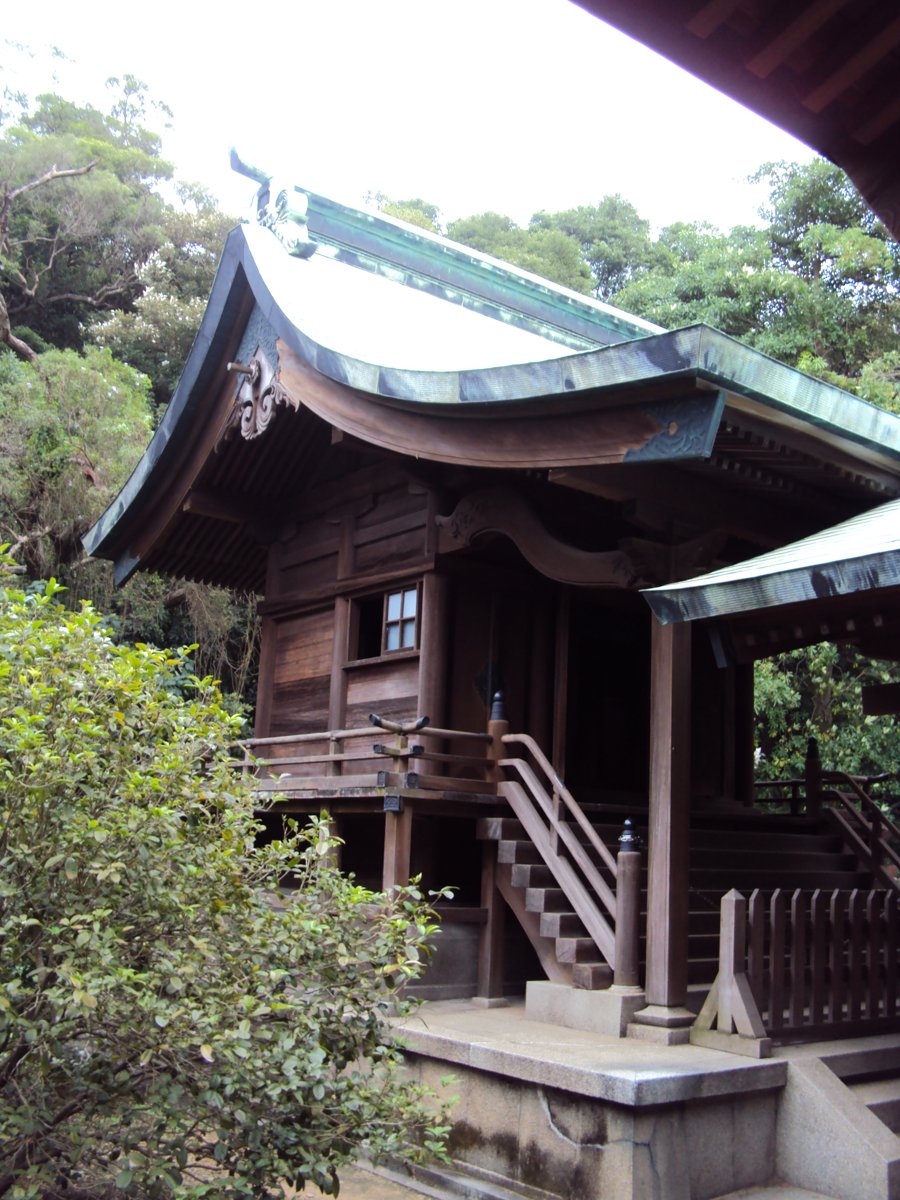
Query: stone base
point(663, 1025)
point(607, 1012)
point(659, 1034)
point(490, 1002)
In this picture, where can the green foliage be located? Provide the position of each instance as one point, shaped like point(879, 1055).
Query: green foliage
point(415, 212)
point(156, 335)
point(72, 244)
point(614, 240)
point(815, 692)
point(73, 428)
point(544, 251)
point(172, 1024)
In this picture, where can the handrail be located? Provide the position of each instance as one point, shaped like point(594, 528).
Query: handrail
point(560, 789)
point(873, 822)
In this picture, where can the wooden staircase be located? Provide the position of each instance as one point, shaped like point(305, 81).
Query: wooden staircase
point(730, 848)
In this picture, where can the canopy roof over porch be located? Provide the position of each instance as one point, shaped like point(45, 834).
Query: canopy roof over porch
point(842, 584)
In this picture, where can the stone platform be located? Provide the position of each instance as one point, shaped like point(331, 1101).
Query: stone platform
point(555, 1112)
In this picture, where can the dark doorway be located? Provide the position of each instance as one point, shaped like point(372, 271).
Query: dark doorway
point(607, 697)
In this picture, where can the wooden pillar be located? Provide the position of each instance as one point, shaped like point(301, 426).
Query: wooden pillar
point(397, 848)
point(491, 940)
point(744, 733)
point(433, 649)
point(667, 873)
point(337, 696)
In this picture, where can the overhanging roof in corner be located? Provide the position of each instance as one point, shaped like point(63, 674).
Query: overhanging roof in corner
point(828, 72)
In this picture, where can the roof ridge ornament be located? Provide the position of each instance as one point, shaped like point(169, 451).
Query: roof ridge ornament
point(281, 207)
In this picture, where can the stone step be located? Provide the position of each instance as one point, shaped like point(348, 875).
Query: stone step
point(882, 1097)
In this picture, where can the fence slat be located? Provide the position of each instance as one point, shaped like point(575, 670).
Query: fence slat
point(856, 914)
point(818, 956)
point(776, 961)
point(756, 960)
point(837, 966)
point(797, 970)
point(890, 954)
point(873, 965)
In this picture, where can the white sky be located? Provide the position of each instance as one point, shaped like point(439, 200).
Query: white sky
point(511, 105)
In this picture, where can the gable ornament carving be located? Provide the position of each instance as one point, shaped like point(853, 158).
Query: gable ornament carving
point(258, 397)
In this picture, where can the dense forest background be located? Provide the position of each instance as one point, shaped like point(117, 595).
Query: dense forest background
point(105, 264)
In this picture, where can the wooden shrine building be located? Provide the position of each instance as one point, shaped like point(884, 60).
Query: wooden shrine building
point(446, 480)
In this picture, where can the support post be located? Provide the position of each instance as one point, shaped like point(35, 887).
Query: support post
point(628, 912)
point(498, 727)
point(397, 848)
point(813, 776)
point(491, 940)
point(744, 720)
point(667, 874)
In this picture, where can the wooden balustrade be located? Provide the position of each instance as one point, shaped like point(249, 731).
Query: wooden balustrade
point(341, 760)
point(801, 965)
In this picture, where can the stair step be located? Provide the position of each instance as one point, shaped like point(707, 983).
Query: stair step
point(591, 977)
point(532, 875)
point(548, 899)
point(517, 852)
point(870, 1063)
point(882, 1097)
point(561, 924)
point(767, 881)
point(577, 950)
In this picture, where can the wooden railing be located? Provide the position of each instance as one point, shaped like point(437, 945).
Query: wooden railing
point(865, 827)
point(347, 760)
point(584, 867)
point(801, 965)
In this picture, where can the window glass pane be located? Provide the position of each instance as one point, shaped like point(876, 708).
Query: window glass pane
point(409, 633)
point(409, 602)
point(392, 637)
point(393, 606)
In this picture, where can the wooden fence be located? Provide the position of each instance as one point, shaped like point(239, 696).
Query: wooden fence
point(800, 965)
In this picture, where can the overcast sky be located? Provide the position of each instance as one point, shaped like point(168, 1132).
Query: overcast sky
point(511, 105)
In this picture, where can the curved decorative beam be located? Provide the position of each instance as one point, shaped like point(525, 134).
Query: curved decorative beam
point(500, 510)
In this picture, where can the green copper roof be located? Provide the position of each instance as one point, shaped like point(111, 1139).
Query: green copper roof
point(858, 555)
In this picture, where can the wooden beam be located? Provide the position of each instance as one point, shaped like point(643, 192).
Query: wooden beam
point(710, 17)
point(853, 68)
point(792, 36)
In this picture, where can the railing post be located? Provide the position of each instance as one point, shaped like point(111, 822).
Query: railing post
point(498, 727)
point(874, 838)
point(628, 911)
point(813, 775)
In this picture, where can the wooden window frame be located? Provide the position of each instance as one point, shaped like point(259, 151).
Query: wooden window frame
point(388, 621)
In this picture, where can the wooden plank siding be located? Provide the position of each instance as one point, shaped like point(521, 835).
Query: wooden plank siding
point(335, 557)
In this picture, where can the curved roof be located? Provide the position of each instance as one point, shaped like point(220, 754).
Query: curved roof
point(383, 350)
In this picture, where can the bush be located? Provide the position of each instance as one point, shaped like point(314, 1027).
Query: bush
point(171, 1024)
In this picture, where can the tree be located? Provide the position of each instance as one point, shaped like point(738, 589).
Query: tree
point(614, 240)
point(156, 335)
point(816, 692)
point(78, 215)
point(550, 253)
point(415, 212)
point(172, 1022)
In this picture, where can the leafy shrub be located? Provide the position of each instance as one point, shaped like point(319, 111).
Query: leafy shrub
point(172, 1024)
